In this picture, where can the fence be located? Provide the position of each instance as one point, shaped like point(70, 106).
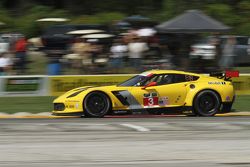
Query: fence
point(42, 85)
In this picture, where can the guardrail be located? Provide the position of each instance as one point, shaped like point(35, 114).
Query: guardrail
point(43, 85)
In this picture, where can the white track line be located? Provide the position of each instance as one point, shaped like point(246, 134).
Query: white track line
point(138, 128)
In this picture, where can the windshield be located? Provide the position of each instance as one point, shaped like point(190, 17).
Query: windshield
point(137, 80)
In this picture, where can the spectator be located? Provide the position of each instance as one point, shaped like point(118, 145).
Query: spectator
point(80, 56)
point(5, 64)
point(228, 53)
point(96, 49)
point(20, 51)
point(118, 53)
point(136, 49)
point(166, 57)
point(216, 41)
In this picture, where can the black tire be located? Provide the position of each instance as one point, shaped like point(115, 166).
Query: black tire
point(226, 108)
point(207, 103)
point(96, 105)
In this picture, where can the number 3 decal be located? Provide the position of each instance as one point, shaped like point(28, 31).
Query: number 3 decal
point(150, 101)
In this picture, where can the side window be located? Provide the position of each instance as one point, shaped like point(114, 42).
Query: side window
point(178, 78)
point(191, 78)
point(184, 78)
point(155, 78)
point(166, 79)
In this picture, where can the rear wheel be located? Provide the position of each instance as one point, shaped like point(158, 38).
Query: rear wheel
point(96, 104)
point(226, 107)
point(207, 103)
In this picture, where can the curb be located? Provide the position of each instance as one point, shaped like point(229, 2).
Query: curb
point(47, 115)
point(242, 113)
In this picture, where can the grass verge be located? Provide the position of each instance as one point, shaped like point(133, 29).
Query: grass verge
point(26, 104)
point(242, 103)
point(44, 104)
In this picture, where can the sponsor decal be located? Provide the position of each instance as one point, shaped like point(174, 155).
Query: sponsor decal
point(77, 105)
point(217, 83)
point(70, 106)
point(163, 101)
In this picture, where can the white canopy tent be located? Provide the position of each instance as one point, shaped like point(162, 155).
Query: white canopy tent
point(84, 32)
point(53, 20)
point(97, 36)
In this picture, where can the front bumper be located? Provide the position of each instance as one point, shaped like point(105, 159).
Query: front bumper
point(67, 114)
point(67, 109)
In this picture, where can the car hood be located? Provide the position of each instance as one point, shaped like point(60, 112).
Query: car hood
point(84, 90)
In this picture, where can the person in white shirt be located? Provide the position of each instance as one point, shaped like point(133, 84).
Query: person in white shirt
point(118, 53)
point(136, 49)
point(228, 54)
point(5, 64)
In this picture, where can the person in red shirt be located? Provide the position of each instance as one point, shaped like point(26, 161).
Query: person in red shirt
point(20, 51)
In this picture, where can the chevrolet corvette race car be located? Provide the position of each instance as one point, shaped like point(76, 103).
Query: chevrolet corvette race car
point(155, 91)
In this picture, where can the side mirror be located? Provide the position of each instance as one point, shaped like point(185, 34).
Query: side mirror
point(149, 85)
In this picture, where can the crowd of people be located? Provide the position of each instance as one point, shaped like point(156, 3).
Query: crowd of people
point(128, 51)
point(141, 53)
point(13, 57)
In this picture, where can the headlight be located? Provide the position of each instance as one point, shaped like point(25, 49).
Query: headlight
point(59, 106)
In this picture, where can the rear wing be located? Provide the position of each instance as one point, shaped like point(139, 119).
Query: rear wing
point(226, 76)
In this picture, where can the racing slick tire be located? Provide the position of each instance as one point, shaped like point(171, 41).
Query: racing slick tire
point(206, 103)
point(96, 105)
point(226, 108)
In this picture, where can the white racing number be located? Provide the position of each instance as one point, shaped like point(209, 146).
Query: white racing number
point(150, 99)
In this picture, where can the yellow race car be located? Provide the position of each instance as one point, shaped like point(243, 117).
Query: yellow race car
point(155, 91)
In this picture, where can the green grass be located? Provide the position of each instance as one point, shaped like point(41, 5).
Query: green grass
point(26, 104)
point(44, 104)
point(242, 103)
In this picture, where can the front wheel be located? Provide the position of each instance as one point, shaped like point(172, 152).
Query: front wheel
point(206, 103)
point(96, 104)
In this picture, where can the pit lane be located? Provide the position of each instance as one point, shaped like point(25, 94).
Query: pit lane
point(159, 141)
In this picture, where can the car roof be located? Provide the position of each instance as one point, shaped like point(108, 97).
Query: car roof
point(170, 72)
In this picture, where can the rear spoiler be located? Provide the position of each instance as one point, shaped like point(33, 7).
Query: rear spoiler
point(226, 76)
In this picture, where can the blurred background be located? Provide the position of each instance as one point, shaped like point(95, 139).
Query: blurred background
point(78, 37)
point(94, 37)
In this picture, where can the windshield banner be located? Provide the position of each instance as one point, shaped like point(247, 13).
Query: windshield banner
point(61, 84)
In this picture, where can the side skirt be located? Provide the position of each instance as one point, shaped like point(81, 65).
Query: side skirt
point(167, 111)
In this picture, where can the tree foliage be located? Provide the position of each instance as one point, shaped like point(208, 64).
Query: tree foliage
point(20, 15)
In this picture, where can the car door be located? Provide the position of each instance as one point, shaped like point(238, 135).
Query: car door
point(170, 91)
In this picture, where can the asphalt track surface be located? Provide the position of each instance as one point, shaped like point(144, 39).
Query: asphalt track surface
point(119, 142)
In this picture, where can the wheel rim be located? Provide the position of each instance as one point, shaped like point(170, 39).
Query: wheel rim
point(96, 104)
point(207, 104)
